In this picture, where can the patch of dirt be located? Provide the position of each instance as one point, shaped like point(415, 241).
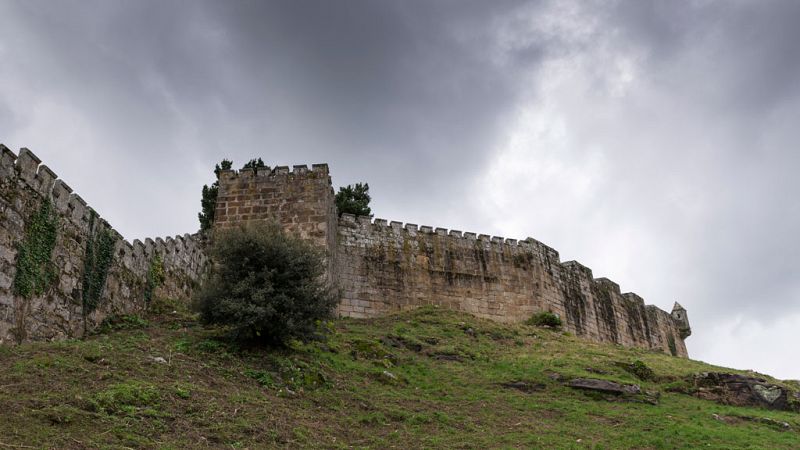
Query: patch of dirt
point(606, 420)
point(524, 386)
point(734, 420)
point(446, 357)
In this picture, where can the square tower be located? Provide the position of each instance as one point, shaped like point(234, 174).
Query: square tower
point(301, 201)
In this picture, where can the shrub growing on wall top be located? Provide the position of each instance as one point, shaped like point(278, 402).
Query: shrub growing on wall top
point(255, 164)
point(267, 286)
point(354, 200)
point(208, 202)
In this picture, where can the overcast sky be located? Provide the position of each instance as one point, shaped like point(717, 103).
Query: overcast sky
point(655, 142)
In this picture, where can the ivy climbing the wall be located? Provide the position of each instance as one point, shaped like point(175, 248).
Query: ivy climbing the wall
point(35, 269)
point(671, 343)
point(155, 277)
point(99, 254)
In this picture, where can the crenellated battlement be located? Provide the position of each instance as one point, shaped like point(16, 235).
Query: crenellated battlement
point(250, 174)
point(380, 225)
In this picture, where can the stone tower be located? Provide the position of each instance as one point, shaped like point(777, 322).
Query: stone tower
point(680, 317)
point(300, 200)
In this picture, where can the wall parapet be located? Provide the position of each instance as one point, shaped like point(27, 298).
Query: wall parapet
point(248, 174)
point(370, 224)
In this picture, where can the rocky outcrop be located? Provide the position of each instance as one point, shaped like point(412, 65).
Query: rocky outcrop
point(612, 391)
point(741, 390)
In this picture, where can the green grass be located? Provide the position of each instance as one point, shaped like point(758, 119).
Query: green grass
point(443, 391)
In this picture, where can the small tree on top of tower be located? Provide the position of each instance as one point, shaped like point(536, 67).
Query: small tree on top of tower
point(354, 200)
point(255, 164)
point(208, 202)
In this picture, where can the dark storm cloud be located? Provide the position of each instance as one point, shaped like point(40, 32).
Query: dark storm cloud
point(735, 70)
point(394, 92)
point(654, 141)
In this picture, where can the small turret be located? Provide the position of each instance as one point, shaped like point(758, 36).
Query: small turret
point(682, 320)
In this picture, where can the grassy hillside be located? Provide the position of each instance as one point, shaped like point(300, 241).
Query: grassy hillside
point(423, 379)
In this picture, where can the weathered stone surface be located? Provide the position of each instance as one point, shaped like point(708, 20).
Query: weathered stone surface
point(615, 391)
point(301, 201)
point(741, 390)
point(383, 269)
point(58, 313)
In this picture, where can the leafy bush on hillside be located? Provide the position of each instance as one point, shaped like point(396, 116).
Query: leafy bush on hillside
point(267, 286)
point(546, 319)
point(638, 369)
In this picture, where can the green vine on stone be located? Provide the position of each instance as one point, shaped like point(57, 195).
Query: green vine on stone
point(671, 344)
point(155, 277)
point(35, 269)
point(99, 254)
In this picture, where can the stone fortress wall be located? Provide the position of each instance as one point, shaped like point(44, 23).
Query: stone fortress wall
point(379, 267)
point(385, 267)
point(59, 312)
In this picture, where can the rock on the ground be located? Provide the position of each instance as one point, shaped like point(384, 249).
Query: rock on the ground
point(778, 424)
point(616, 391)
point(605, 386)
point(741, 390)
point(524, 386)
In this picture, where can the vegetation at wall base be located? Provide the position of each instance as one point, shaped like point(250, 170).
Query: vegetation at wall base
point(354, 199)
point(545, 319)
point(267, 286)
point(208, 200)
point(35, 270)
point(426, 378)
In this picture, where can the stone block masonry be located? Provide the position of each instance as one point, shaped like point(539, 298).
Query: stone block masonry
point(383, 267)
point(59, 311)
point(387, 267)
point(300, 200)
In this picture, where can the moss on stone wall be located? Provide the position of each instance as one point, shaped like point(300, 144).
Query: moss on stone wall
point(99, 254)
point(574, 303)
point(35, 269)
point(155, 277)
point(604, 306)
point(671, 343)
point(638, 326)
